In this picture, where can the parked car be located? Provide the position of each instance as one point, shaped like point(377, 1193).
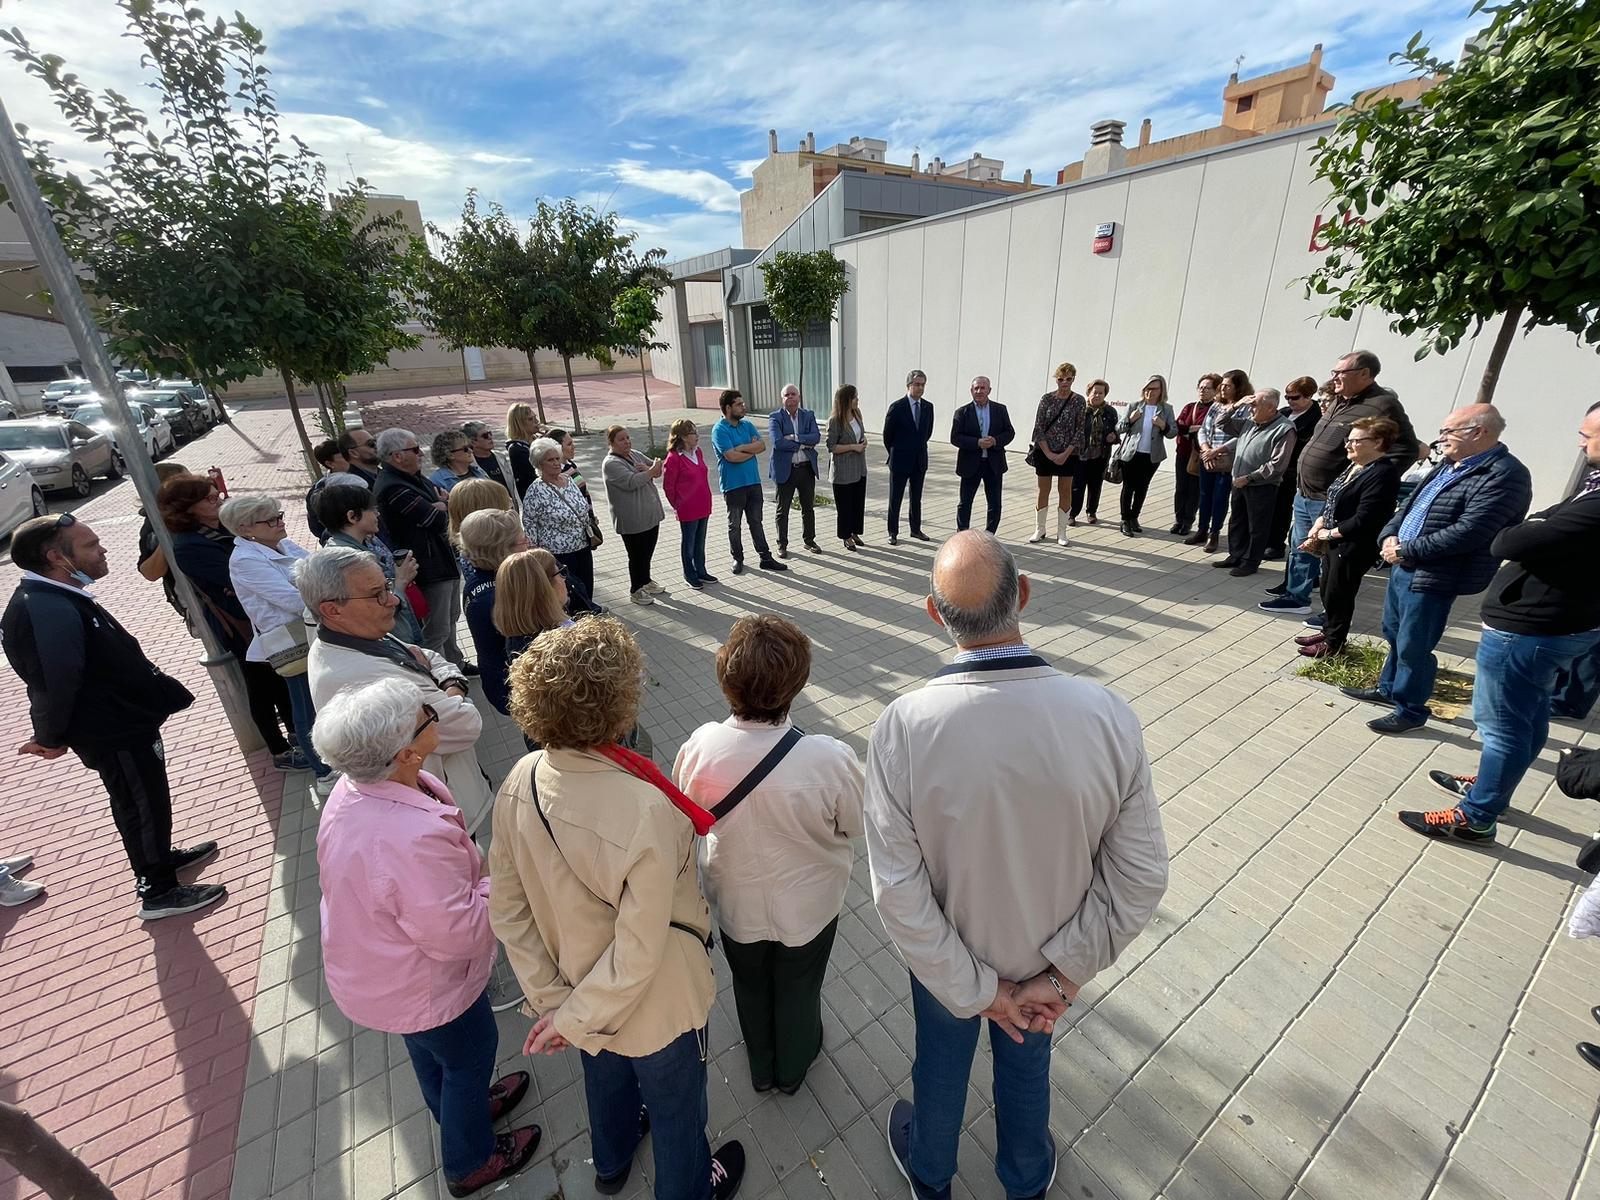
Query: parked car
point(63, 389)
point(153, 427)
point(20, 497)
point(8, 410)
point(197, 393)
point(62, 456)
point(187, 418)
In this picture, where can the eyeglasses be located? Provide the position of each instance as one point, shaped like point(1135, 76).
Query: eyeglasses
point(1293, 396)
point(383, 595)
point(1337, 371)
point(275, 519)
point(1351, 441)
point(409, 450)
point(64, 521)
point(1458, 431)
point(430, 717)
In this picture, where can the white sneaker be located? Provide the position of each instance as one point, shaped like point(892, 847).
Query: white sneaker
point(324, 786)
point(654, 588)
point(10, 866)
point(15, 891)
point(641, 597)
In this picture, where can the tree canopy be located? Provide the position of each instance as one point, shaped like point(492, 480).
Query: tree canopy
point(803, 287)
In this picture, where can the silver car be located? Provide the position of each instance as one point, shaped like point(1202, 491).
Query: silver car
point(152, 426)
point(63, 389)
point(195, 392)
point(20, 497)
point(62, 456)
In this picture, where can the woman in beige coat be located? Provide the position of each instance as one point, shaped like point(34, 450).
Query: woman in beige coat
point(595, 897)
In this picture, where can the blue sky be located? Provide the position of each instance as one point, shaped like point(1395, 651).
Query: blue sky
point(661, 110)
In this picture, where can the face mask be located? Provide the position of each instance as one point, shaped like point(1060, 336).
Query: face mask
point(81, 579)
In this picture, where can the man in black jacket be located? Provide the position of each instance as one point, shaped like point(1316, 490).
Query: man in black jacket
point(1542, 612)
point(91, 690)
point(415, 513)
point(980, 432)
point(360, 450)
point(907, 426)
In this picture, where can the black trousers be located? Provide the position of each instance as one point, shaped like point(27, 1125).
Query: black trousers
point(640, 547)
point(746, 502)
point(135, 776)
point(1136, 475)
point(268, 697)
point(897, 489)
point(1342, 569)
point(579, 566)
point(992, 487)
point(1186, 492)
point(777, 991)
point(802, 479)
point(1086, 485)
point(850, 507)
point(1250, 522)
point(1282, 514)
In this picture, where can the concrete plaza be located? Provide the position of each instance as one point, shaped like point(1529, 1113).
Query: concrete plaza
point(1326, 1005)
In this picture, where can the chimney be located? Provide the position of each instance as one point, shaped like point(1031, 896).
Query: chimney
point(916, 161)
point(772, 141)
point(1106, 133)
point(1316, 56)
point(811, 142)
point(1027, 177)
point(1106, 152)
point(1144, 132)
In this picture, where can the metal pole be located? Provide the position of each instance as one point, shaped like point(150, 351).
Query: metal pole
point(73, 309)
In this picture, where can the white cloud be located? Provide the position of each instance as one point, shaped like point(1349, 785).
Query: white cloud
point(744, 168)
point(641, 146)
point(701, 187)
point(682, 235)
point(495, 160)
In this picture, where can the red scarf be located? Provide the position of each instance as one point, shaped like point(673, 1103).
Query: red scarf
point(641, 767)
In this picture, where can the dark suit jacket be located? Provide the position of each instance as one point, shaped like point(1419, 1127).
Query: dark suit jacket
point(965, 432)
point(907, 440)
point(786, 436)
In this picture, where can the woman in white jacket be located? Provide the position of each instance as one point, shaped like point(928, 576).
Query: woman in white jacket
point(261, 569)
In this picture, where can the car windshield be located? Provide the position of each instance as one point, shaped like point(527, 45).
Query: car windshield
point(32, 437)
point(91, 414)
point(161, 399)
point(66, 387)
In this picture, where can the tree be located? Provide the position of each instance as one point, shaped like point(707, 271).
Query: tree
point(209, 244)
point(634, 315)
point(590, 262)
point(487, 287)
point(803, 288)
point(1483, 198)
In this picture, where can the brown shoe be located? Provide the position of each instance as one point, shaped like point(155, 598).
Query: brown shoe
point(1195, 539)
point(512, 1152)
point(1211, 546)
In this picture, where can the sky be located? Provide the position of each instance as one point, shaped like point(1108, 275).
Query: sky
point(660, 111)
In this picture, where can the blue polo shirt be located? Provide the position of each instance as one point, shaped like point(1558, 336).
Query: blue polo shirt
point(725, 435)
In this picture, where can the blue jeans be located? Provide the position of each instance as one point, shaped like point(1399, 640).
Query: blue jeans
point(1413, 623)
point(1511, 706)
point(1301, 572)
point(693, 549)
point(945, 1045)
point(455, 1068)
point(1577, 687)
point(671, 1085)
point(1215, 489)
point(304, 714)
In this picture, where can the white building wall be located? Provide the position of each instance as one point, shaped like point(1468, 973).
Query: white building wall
point(1202, 278)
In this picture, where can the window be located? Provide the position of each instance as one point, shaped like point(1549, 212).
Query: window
point(1244, 103)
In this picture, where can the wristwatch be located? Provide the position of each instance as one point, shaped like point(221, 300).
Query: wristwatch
point(1056, 983)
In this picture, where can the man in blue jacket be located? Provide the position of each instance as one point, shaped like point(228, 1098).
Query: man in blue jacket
point(793, 467)
point(1439, 547)
point(907, 428)
point(91, 690)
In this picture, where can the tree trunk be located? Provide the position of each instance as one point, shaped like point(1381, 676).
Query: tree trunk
point(1497, 354)
point(36, 1155)
point(323, 409)
point(572, 393)
point(299, 424)
point(466, 385)
point(538, 399)
point(644, 382)
point(801, 382)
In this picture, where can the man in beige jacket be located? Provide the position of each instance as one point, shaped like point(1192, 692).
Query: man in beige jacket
point(1016, 849)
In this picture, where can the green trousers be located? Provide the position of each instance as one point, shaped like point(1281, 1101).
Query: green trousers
point(778, 992)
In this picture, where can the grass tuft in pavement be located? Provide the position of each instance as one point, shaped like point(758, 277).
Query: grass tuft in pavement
point(1361, 664)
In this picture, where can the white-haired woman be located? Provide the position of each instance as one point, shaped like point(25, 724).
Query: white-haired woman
point(555, 516)
point(406, 942)
point(488, 538)
point(261, 568)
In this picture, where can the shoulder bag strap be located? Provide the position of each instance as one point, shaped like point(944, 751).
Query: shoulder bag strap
point(757, 773)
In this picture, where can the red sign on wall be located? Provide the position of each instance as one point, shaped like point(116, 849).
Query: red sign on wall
point(1318, 246)
point(1105, 237)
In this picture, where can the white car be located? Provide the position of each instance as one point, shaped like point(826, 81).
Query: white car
point(20, 497)
point(195, 392)
point(61, 389)
point(153, 427)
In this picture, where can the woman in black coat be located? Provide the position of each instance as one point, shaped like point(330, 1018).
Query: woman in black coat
point(1360, 503)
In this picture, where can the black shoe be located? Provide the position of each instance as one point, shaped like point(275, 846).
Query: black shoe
point(738, 568)
point(893, 540)
point(772, 564)
point(1447, 823)
point(813, 547)
point(1127, 529)
point(185, 898)
point(696, 584)
point(920, 536)
point(1277, 589)
point(1242, 570)
point(1175, 528)
point(727, 1170)
point(1272, 555)
point(1590, 1053)
point(1315, 621)
point(470, 669)
point(1227, 564)
point(709, 579)
point(897, 1132)
point(1367, 695)
point(193, 856)
point(1595, 1012)
point(610, 1185)
point(1135, 526)
point(783, 552)
point(1396, 723)
point(1195, 539)
point(1457, 786)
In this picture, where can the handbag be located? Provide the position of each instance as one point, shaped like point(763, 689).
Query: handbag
point(1114, 469)
point(596, 538)
point(1034, 449)
point(288, 647)
point(1193, 466)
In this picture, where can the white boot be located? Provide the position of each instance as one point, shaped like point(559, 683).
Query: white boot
point(1061, 527)
point(1039, 534)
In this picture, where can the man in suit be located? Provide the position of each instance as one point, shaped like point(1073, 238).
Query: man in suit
point(980, 433)
point(907, 427)
point(793, 467)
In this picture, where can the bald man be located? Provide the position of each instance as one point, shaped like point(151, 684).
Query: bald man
point(1006, 878)
point(1439, 545)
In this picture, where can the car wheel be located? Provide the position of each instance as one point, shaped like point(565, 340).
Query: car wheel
point(118, 467)
point(7, 413)
point(81, 487)
point(38, 503)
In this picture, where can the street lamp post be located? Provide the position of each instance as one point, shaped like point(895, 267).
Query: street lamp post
point(73, 309)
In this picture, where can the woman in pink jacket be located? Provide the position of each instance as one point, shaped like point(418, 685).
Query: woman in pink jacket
point(689, 492)
point(406, 943)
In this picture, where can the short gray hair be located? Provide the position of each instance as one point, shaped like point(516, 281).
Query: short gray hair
point(392, 441)
point(323, 578)
point(540, 448)
point(915, 374)
point(240, 511)
point(998, 615)
point(473, 428)
point(1272, 394)
point(363, 729)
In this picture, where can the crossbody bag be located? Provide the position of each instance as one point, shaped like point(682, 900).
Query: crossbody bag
point(1030, 457)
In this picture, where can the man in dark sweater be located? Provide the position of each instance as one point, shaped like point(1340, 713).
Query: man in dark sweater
point(1541, 614)
point(1356, 395)
point(91, 690)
